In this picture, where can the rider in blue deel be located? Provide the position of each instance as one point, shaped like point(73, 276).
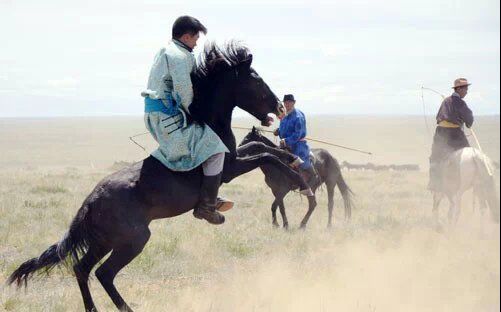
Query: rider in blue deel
point(292, 133)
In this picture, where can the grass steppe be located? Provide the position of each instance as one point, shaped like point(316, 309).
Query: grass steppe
point(390, 257)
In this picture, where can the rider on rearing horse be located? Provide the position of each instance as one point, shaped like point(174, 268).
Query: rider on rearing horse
point(184, 145)
point(292, 133)
point(449, 136)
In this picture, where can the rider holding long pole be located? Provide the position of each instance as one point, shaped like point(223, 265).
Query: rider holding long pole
point(449, 137)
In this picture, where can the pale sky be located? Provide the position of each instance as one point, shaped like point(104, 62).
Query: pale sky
point(85, 58)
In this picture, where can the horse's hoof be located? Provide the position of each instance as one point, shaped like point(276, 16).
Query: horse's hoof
point(275, 224)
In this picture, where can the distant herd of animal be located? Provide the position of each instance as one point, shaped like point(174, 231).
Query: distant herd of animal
point(370, 166)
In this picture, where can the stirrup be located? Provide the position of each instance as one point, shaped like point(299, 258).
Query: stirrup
point(223, 205)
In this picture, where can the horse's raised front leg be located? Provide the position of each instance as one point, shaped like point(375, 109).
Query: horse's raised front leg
point(256, 148)
point(242, 165)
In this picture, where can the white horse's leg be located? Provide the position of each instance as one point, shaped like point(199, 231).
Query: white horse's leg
point(479, 197)
point(452, 206)
point(457, 210)
point(437, 199)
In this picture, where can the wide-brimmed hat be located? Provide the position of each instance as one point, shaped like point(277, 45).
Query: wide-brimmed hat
point(461, 82)
point(289, 97)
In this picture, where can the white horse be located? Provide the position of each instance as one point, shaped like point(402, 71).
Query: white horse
point(467, 169)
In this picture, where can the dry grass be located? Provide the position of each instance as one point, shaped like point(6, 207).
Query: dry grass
point(390, 257)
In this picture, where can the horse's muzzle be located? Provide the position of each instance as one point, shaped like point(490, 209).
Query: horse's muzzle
point(281, 111)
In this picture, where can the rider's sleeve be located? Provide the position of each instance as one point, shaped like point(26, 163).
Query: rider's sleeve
point(297, 134)
point(467, 115)
point(182, 91)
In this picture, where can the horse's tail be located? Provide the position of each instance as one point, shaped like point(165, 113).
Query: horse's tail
point(492, 200)
point(345, 190)
point(488, 185)
point(67, 250)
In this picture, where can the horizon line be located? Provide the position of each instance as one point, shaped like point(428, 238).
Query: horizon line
point(245, 117)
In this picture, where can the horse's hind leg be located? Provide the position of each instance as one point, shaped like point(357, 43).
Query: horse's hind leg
point(82, 270)
point(274, 207)
point(119, 258)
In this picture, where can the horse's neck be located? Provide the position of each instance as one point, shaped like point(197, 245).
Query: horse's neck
point(218, 118)
point(229, 140)
point(266, 141)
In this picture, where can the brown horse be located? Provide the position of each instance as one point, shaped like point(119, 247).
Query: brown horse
point(328, 170)
point(115, 217)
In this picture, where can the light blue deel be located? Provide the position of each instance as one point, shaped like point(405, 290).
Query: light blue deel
point(182, 146)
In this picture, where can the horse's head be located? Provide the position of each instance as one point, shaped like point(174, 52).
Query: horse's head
point(225, 79)
point(255, 135)
point(253, 95)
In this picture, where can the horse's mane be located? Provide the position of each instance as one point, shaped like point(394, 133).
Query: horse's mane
point(215, 58)
point(213, 61)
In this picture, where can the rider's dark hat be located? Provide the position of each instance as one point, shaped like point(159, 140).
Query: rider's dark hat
point(289, 97)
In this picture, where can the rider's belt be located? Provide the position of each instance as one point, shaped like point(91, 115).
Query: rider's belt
point(448, 124)
point(152, 105)
point(167, 106)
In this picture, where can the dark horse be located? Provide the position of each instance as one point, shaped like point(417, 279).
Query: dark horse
point(329, 173)
point(116, 215)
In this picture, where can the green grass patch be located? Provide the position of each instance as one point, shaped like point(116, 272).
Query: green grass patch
point(42, 204)
point(46, 189)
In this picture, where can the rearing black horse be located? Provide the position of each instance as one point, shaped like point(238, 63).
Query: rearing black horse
point(116, 215)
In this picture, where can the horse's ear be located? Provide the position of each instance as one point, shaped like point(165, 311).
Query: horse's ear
point(247, 62)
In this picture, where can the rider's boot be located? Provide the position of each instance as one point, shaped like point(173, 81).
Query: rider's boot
point(206, 208)
point(310, 176)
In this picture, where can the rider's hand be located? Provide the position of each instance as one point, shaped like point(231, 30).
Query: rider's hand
point(283, 144)
point(276, 132)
